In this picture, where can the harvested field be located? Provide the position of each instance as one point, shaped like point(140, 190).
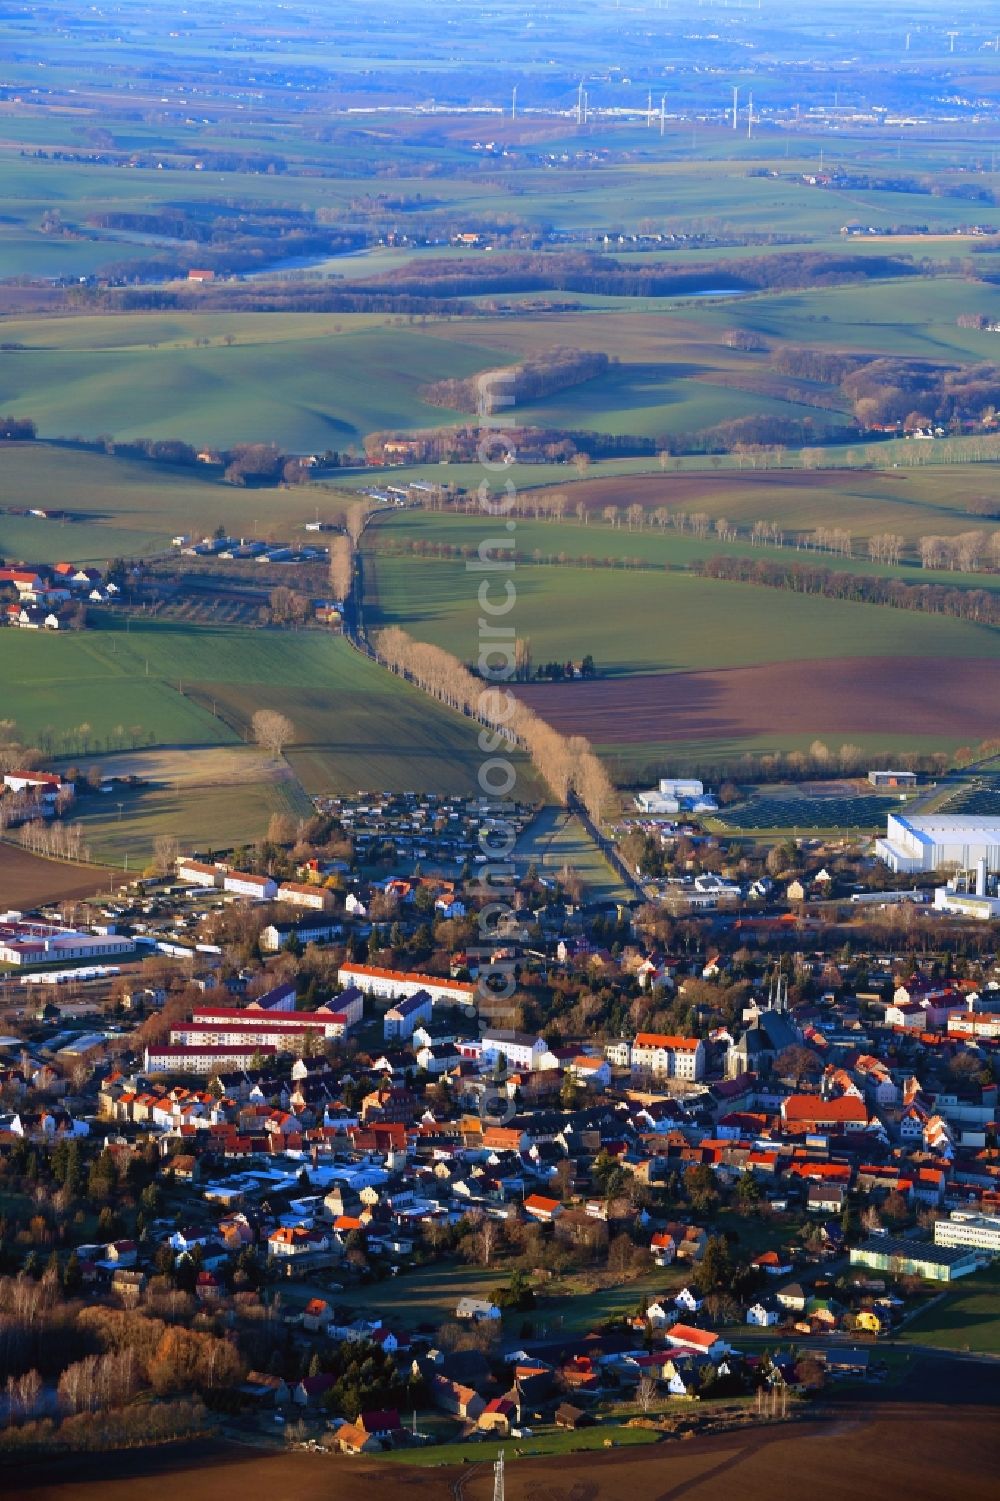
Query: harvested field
point(682, 490)
point(198, 766)
point(843, 696)
point(910, 502)
point(26, 880)
point(924, 1453)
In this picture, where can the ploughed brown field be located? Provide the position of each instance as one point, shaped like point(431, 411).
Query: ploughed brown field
point(26, 880)
point(944, 696)
point(682, 490)
point(919, 1452)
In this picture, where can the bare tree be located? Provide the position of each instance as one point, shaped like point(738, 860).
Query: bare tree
point(272, 731)
point(646, 1393)
point(165, 852)
point(341, 566)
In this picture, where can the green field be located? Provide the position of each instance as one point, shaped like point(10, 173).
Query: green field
point(429, 1295)
point(650, 622)
point(356, 726)
point(966, 1317)
point(124, 826)
point(294, 378)
point(123, 507)
point(732, 497)
point(551, 1441)
point(225, 144)
point(303, 391)
point(555, 842)
point(53, 684)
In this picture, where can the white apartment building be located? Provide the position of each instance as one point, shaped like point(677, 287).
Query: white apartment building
point(397, 984)
point(233, 1034)
point(521, 1050)
point(667, 1056)
point(197, 873)
point(203, 1060)
point(259, 888)
point(314, 898)
point(402, 1019)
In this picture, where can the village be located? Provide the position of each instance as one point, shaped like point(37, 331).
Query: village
point(724, 1156)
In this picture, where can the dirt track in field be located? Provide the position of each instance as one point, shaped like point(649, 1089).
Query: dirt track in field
point(943, 696)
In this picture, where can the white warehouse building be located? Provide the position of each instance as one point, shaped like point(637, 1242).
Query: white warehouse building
point(676, 795)
point(913, 844)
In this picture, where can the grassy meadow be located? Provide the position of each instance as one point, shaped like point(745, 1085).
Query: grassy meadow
point(966, 1317)
point(106, 691)
point(311, 381)
point(602, 544)
point(311, 388)
point(125, 826)
point(644, 622)
point(123, 507)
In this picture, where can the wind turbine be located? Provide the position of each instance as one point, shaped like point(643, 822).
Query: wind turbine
point(736, 98)
point(952, 35)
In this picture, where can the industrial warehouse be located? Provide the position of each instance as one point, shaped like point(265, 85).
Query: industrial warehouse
point(940, 839)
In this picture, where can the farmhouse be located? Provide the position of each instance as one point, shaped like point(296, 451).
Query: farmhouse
point(704, 1340)
point(476, 1309)
point(542, 1208)
point(33, 618)
point(46, 784)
